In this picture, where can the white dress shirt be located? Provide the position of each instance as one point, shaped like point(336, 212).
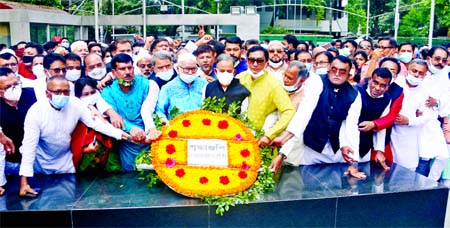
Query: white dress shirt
point(46, 144)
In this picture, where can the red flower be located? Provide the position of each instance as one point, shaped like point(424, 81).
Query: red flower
point(206, 122)
point(186, 123)
point(224, 180)
point(242, 174)
point(245, 153)
point(203, 180)
point(223, 124)
point(245, 166)
point(170, 149)
point(170, 162)
point(238, 137)
point(180, 173)
point(173, 134)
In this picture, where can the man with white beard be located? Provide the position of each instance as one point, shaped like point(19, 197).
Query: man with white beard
point(276, 65)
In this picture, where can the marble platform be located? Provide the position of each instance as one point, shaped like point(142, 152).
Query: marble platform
point(311, 196)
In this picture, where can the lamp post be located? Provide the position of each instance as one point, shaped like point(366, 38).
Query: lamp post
point(430, 35)
point(367, 19)
point(218, 12)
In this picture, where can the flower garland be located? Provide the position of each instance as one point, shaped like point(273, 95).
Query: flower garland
point(238, 169)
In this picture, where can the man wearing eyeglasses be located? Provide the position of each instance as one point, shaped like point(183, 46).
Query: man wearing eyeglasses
point(14, 104)
point(266, 95)
point(386, 47)
point(276, 66)
point(184, 92)
point(10, 61)
point(327, 120)
point(48, 127)
point(134, 98)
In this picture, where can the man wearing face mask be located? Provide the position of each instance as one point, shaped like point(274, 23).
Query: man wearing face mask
point(349, 49)
point(9, 60)
point(233, 47)
point(322, 62)
point(405, 55)
point(134, 98)
point(163, 71)
point(48, 127)
point(94, 67)
point(306, 58)
point(276, 66)
point(38, 66)
point(25, 67)
point(73, 67)
point(14, 104)
point(267, 95)
point(184, 92)
point(226, 85)
point(416, 137)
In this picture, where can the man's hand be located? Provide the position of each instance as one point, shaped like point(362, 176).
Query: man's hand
point(91, 148)
point(7, 143)
point(95, 113)
point(115, 118)
point(380, 158)
point(276, 164)
point(105, 81)
point(354, 172)
point(401, 120)
point(25, 188)
point(204, 40)
point(263, 141)
point(431, 102)
point(138, 135)
point(366, 126)
point(165, 122)
point(153, 134)
point(347, 154)
point(282, 139)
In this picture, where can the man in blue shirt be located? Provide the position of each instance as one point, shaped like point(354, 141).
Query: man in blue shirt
point(184, 92)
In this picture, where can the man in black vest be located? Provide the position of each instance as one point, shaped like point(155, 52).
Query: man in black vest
point(226, 85)
point(328, 120)
point(375, 103)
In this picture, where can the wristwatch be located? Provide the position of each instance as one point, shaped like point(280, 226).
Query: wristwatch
point(282, 155)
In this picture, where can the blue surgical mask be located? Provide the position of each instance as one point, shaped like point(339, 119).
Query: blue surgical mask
point(166, 76)
point(321, 71)
point(59, 101)
point(187, 78)
point(413, 80)
point(308, 66)
point(405, 57)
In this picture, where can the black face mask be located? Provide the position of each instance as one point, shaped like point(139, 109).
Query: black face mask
point(27, 59)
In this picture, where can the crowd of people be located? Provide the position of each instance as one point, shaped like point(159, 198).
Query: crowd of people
point(85, 106)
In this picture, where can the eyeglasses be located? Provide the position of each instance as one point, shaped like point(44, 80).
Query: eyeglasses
point(365, 47)
point(145, 65)
point(272, 51)
point(321, 63)
point(58, 70)
point(60, 92)
point(188, 70)
point(439, 59)
point(18, 85)
point(258, 61)
point(10, 65)
point(336, 71)
point(385, 47)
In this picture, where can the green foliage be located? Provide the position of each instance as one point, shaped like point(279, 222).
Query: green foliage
point(213, 104)
point(274, 30)
point(355, 6)
point(318, 11)
point(173, 112)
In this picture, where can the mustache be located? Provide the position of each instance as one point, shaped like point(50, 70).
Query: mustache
point(439, 65)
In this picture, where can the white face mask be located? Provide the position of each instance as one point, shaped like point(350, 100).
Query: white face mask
point(257, 75)
point(107, 60)
point(38, 71)
point(73, 75)
point(91, 99)
point(291, 88)
point(433, 69)
point(321, 71)
point(166, 76)
point(275, 65)
point(413, 80)
point(97, 73)
point(345, 52)
point(13, 93)
point(405, 57)
point(225, 78)
point(187, 78)
point(66, 45)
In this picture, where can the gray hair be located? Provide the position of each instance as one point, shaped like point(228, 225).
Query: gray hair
point(224, 57)
point(161, 55)
point(419, 62)
point(303, 72)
